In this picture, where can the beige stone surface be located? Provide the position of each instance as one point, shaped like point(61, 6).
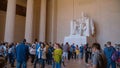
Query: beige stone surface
point(42, 27)
point(105, 13)
point(29, 21)
point(70, 64)
point(10, 21)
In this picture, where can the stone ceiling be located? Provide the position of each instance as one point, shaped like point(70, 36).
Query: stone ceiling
point(22, 2)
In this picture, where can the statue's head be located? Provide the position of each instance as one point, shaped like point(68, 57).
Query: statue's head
point(83, 14)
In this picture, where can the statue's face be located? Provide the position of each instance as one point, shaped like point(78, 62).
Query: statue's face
point(77, 25)
point(84, 24)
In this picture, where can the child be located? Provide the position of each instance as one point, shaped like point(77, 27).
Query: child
point(77, 52)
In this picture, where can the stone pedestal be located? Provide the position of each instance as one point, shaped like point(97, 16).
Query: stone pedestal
point(78, 40)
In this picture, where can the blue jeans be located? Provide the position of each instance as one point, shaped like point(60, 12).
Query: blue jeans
point(56, 65)
point(21, 64)
point(113, 64)
point(53, 64)
point(35, 61)
point(81, 55)
point(11, 59)
point(42, 62)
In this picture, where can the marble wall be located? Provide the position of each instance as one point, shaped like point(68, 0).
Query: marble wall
point(105, 13)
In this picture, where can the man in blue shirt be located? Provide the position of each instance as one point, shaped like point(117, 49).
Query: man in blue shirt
point(81, 51)
point(22, 52)
point(1, 50)
point(36, 54)
point(108, 51)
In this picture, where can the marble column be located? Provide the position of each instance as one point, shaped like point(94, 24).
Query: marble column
point(42, 30)
point(10, 20)
point(53, 31)
point(29, 21)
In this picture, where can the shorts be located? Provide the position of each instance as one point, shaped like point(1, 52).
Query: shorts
point(65, 54)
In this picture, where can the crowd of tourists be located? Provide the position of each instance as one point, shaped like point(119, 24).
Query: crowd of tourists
point(56, 54)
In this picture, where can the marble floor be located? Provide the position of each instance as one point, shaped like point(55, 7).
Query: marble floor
point(68, 64)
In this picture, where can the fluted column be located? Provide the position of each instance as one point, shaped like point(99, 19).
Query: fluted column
point(42, 29)
point(10, 20)
point(29, 21)
point(54, 25)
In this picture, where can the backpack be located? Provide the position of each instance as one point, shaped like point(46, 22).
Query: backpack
point(102, 61)
point(118, 60)
point(115, 56)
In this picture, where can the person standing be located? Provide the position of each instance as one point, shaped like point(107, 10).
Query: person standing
point(36, 52)
point(32, 52)
point(42, 55)
point(22, 52)
point(57, 56)
point(65, 51)
point(11, 54)
point(68, 52)
point(1, 50)
point(77, 52)
point(86, 54)
point(81, 52)
point(98, 60)
point(108, 51)
point(50, 55)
